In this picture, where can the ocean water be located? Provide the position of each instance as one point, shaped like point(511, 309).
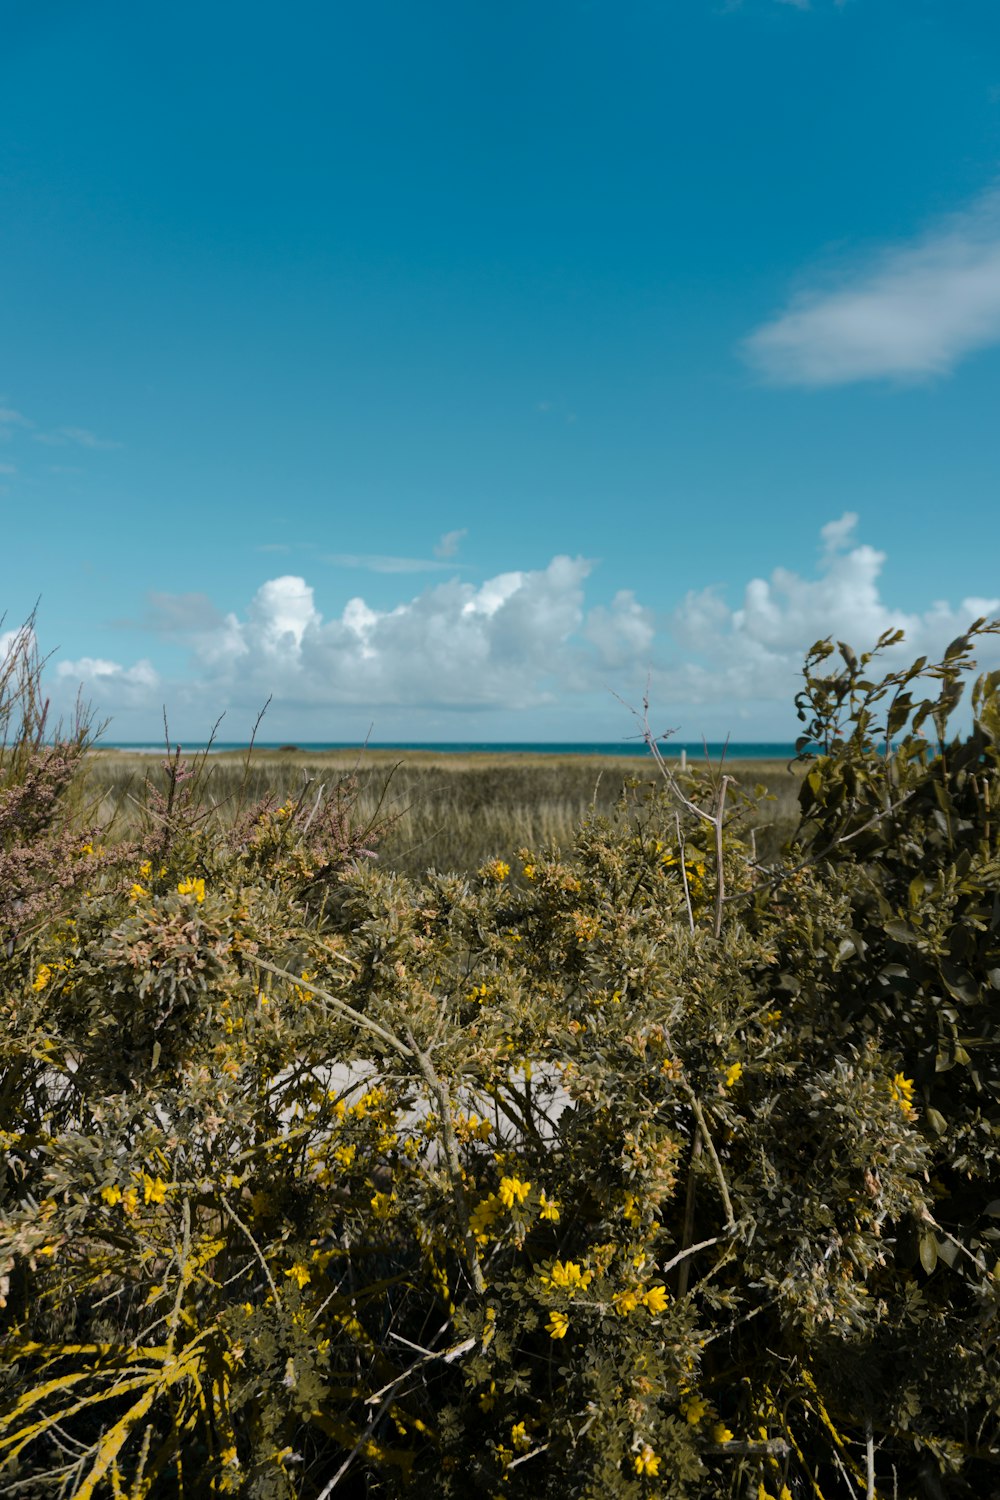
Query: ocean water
point(672, 749)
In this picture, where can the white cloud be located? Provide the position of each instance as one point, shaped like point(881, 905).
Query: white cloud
point(911, 314)
point(449, 543)
point(522, 643)
point(380, 562)
point(109, 681)
point(81, 436)
point(9, 419)
point(623, 634)
point(755, 652)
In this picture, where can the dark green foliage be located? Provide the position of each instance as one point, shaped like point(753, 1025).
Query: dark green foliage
point(619, 1173)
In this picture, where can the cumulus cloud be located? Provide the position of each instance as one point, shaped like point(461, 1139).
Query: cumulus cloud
point(912, 313)
point(623, 634)
point(110, 681)
point(754, 652)
point(524, 643)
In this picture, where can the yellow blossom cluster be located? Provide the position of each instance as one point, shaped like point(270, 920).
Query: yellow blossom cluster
point(558, 1325)
point(646, 1461)
point(901, 1093)
point(566, 1276)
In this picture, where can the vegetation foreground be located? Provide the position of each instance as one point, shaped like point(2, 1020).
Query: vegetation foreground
point(641, 1169)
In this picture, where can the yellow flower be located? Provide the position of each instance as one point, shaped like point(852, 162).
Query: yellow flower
point(382, 1205)
point(299, 1274)
point(194, 886)
point(693, 1410)
point(549, 1209)
point(557, 1325)
point(734, 1074)
point(519, 1437)
point(901, 1092)
point(145, 870)
point(656, 1299)
point(568, 1276)
point(130, 1200)
point(42, 978)
point(631, 1212)
point(111, 1195)
point(512, 1190)
point(721, 1433)
point(646, 1461)
point(228, 1457)
point(497, 869)
point(529, 872)
point(344, 1155)
point(482, 1216)
point(154, 1189)
point(626, 1301)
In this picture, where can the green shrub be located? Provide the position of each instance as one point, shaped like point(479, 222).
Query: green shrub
point(649, 1174)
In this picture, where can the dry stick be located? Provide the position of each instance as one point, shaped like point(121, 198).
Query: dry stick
point(439, 1089)
point(683, 1275)
point(256, 1250)
point(702, 1139)
point(720, 1176)
point(348, 1010)
point(776, 1447)
point(720, 887)
point(682, 1255)
point(684, 873)
point(446, 1355)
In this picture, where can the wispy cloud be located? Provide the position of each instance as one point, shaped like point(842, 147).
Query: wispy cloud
point(8, 469)
point(9, 419)
point(449, 544)
point(912, 313)
point(378, 562)
point(81, 436)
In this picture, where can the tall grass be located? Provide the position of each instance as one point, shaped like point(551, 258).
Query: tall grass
point(443, 812)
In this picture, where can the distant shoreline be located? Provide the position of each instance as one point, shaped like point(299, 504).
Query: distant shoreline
point(671, 749)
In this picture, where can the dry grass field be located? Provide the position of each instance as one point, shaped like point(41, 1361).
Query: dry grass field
point(441, 811)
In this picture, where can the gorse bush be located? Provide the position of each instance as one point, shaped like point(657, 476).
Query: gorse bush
point(653, 1173)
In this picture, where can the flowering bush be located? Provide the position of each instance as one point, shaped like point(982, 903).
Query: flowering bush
point(609, 1172)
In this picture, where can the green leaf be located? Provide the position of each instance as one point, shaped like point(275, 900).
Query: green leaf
point(928, 1251)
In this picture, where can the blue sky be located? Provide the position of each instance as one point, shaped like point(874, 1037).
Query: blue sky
point(450, 369)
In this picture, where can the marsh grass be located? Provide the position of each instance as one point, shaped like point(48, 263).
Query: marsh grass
point(442, 812)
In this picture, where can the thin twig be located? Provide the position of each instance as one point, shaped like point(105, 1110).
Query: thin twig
point(256, 1250)
point(348, 1010)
